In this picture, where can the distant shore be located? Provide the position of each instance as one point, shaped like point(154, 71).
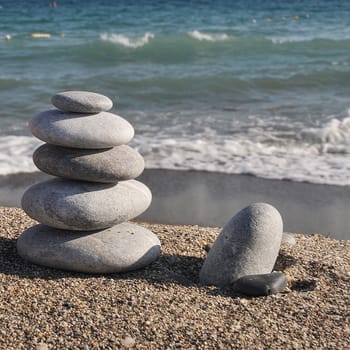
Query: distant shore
point(211, 199)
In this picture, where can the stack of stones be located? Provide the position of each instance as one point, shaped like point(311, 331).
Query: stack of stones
point(83, 210)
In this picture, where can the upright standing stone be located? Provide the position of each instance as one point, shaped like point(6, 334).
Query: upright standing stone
point(248, 245)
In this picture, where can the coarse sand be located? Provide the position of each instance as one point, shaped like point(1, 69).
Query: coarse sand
point(164, 307)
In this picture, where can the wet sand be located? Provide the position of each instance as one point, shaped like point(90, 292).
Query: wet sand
point(211, 199)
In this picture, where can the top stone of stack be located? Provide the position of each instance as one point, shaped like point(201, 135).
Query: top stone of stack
point(81, 102)
point(81, 121)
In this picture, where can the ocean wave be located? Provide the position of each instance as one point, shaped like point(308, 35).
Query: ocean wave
point(311, 79)
point(208, 37)
point(244, 156)
point(321, 40)
point(16, 154)
point(182, 47)
point(315, 162)
point(337, 131)
point(222, 46)
point(11, 83)
point(127, 41)
point(333, 136)
point(284, 40)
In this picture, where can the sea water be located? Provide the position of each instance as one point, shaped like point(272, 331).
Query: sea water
point(243, 87)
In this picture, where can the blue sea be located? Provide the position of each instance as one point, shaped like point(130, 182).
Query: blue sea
point(242, 87)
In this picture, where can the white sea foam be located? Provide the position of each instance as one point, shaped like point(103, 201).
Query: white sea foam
point(317, 155)
point(16, 154)
point(334, 136)
point(127, 41)
point(289, 39)
point(208, 37)
point(247, 157)
point(308, 38)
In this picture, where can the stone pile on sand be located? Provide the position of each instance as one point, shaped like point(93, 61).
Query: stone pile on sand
point(84, 209)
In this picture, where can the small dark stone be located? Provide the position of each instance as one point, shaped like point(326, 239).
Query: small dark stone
point(259, 285)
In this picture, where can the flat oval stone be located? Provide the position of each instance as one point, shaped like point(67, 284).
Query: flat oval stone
point(80, 205)
point(107, 165)
point(81, 102)
point(121, 248)
point(94, 131)
point(247, 245)
point(261, 285)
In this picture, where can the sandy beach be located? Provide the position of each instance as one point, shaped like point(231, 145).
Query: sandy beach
point(225, 104)
point(164, 307)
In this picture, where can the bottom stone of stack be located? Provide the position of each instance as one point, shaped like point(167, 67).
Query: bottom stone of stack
point(120, 248)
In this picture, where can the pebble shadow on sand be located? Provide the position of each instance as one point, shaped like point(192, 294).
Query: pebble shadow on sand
point(169, 268)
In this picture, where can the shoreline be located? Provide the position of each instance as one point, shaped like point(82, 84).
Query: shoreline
point(164, 306)
point(211, 199)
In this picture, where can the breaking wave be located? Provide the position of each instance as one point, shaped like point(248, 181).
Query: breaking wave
point(128, 41)
point(262, 147)
point(208, 37)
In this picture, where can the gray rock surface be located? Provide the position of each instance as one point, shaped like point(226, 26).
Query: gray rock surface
point(95, 131)
point(123, 247)
point(248, 245)
point(80, 205)
point(107, 165)
point(260, 285)
point(81, 102)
